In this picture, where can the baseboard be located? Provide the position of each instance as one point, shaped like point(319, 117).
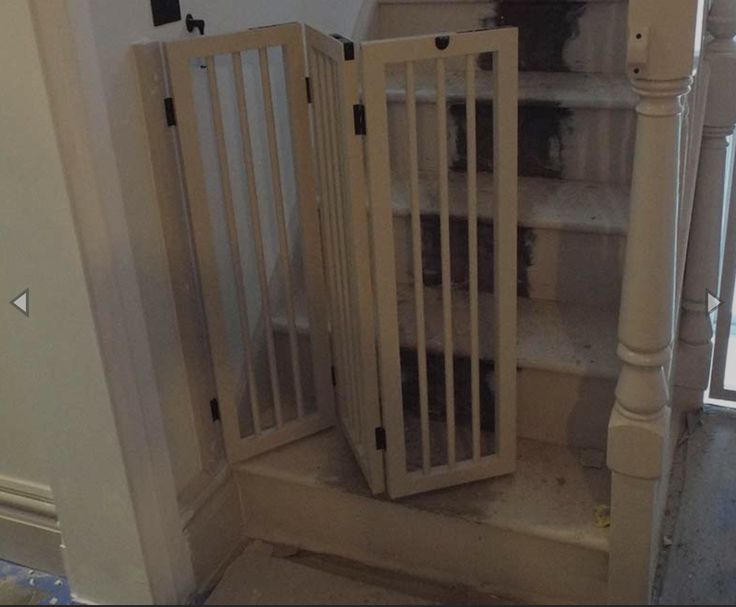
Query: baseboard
point(29, 530)
point(213, 525)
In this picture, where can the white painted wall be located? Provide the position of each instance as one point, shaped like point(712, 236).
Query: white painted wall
point(54, 402)
point(116, 26)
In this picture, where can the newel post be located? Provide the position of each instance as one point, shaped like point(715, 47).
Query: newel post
point(702, 270)
point(661, 50)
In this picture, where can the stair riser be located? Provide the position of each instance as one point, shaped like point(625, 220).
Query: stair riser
point(556, 265)
point(553, 36)
point(553, 406)
point(556, 142)
point(393, 536)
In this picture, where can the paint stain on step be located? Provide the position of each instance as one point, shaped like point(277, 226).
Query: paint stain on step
point(540, 138)
point(437, 407)
point(460, 256)
point(545, 28)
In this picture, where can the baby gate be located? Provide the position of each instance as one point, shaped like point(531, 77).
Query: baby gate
point(385, 293)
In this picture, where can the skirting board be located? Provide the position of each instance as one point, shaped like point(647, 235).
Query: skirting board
point(29, 531)
point(213, 525)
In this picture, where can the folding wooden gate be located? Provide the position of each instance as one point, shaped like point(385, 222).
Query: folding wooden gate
point(306, 309)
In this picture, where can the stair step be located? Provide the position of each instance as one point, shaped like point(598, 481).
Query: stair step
point(571, 237)
point(567, 35)
point(562, 337)
point(564, 89)
point(530, 535)
point(550, 204)
point(591, 139)
point(566, 338)
point(567, 364)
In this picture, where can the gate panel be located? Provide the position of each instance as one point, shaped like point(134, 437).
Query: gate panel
point(447, 351)
point(344, 222)
point(243, 124)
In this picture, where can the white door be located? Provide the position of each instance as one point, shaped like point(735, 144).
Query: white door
point(242, 116)
point(447, 344)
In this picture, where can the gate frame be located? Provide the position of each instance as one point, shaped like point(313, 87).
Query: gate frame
point(376, 56)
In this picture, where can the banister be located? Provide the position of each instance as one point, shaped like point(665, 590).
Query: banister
point(664, 42)
point(695, 347)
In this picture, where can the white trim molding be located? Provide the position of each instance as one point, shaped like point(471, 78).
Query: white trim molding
point(29, 531)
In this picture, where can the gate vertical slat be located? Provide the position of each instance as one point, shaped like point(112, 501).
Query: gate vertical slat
point(347, 261)
point(255, 220)
point(340, 260)
point(285, 258)
point(343, 217)
point(473, 252)
point(445, 251)
point(505, 220)
point(330, 196)
point(418, 271)
point(233, 240)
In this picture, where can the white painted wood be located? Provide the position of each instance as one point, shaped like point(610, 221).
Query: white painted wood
point(442, 196)
point(663, 43)
point(724, 316)
point(523, 536)
point(473, 250)
point(175, 220)
point(344, 218)
point(123, 540)
point(229, 379)
point(416, 242)
point(703, 270)
point(285, 256)
point(376, 56)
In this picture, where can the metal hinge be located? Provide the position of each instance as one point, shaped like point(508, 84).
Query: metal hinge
point(348, 46)
point(308, 82)
point(334, 377)
point(381, 438)
point(359, 119)
point(215, 409)
point(170, 112)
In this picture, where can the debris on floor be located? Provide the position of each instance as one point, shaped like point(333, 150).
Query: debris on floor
point(23, 586)
point(697, 561)
point(592, 458)
point(602, 516)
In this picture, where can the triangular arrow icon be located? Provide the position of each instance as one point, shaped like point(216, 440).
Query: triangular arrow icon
point(22, 302)
point(712, 300)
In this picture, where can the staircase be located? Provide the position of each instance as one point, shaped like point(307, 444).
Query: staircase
point(531, 535)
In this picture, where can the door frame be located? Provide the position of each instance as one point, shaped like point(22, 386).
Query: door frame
point(134, 429)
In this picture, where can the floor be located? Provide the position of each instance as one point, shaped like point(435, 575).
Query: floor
point(697, 563)
point(698, 560)
point(23, 586)
point(279, 575)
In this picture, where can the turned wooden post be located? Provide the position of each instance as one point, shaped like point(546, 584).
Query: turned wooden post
point(702, 270)
point(661, 51)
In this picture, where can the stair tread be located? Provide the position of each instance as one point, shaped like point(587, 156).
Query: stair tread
point(564, 337)
point(550, 494)
point(566, 89)
point(543, 203)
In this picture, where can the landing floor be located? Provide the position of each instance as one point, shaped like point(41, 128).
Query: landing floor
point(698, 561)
